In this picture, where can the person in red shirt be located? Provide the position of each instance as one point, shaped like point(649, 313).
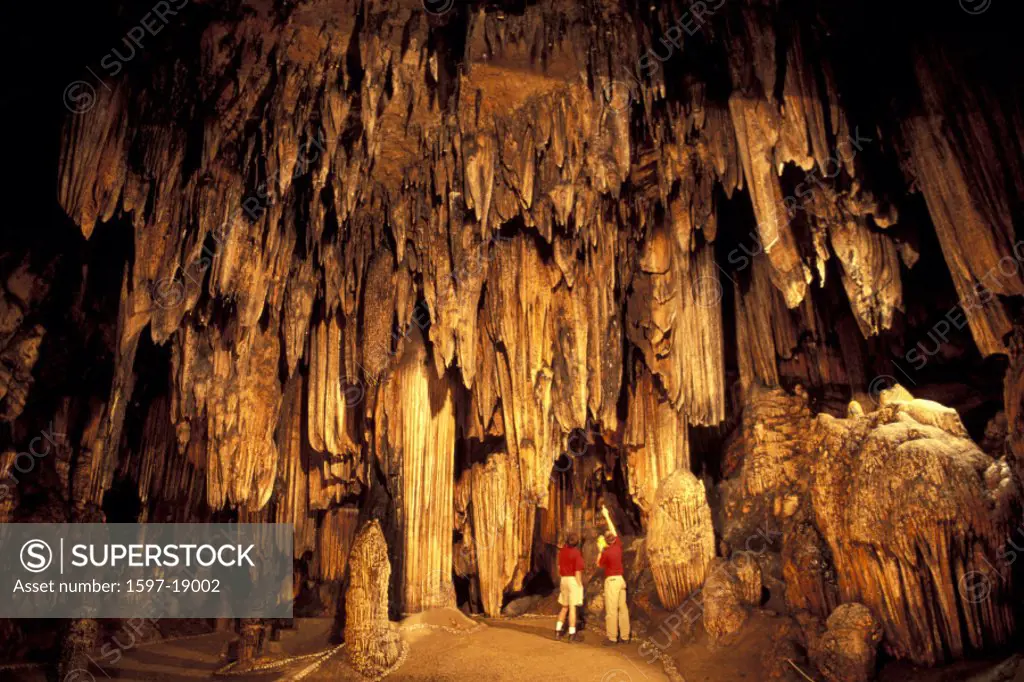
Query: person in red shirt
point(616, 613)
point(570, 594)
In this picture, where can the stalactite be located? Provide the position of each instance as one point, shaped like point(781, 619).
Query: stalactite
point(293, 504)
point(372, 237)
point(656, 441)
point(674, 317)
point(334, 539)
point(233, 387)
point(497, 527)
point(415, 436)
point(328, 407)
point(519, 305)
point(22, 291)
point(1013, 399)
point(964, 182)
point(871, 265)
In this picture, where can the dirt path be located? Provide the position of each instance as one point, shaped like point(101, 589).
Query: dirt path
point(514, 650)
point(521, 649)
point(445, 646)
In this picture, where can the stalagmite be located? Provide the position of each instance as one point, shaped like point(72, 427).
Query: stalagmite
point(372, 643)
point(808, 572)
point(680, 538)
point(1013, 396)
point(732, 586)
point(775, 426)
point(847, 651)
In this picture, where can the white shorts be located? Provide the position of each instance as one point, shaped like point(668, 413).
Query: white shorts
point(570, 592)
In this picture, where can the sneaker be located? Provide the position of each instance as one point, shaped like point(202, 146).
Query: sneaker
point(609, 642)
point(559, 634)
point(576, 637)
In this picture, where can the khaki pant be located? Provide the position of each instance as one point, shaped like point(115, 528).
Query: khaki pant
point(616, 613)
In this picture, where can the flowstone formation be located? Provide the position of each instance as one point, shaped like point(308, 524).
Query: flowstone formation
point(916, 517)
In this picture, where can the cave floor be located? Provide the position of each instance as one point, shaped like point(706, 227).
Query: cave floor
point(446, 646)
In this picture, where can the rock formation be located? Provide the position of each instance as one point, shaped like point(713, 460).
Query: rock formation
point(732, 587)
point(372, 642)
point(416, 441)
point(848, 649)
point(680, 538)
point(916, 518)
point(808, 572)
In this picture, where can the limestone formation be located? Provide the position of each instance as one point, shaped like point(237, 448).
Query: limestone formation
point(916, 517)
point(657, 442)
point(1013, 395)
point(680, 538)
point(808, 572)
point(416, 444)
point(732, 587)
point(372, 643)
point(847, 651)
point(775, 427)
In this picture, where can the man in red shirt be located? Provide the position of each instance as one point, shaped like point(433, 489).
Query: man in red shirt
point(616, 613)
point(570, 594)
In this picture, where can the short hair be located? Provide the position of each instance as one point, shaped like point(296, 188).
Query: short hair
point(610, 535)
point(571, 539)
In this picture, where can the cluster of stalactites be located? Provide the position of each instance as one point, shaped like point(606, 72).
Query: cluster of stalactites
point(384, 207)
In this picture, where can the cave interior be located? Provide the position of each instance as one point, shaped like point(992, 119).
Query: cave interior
point(440, 283)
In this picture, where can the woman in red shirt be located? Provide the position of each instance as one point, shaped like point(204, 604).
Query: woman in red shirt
point(570, 594)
